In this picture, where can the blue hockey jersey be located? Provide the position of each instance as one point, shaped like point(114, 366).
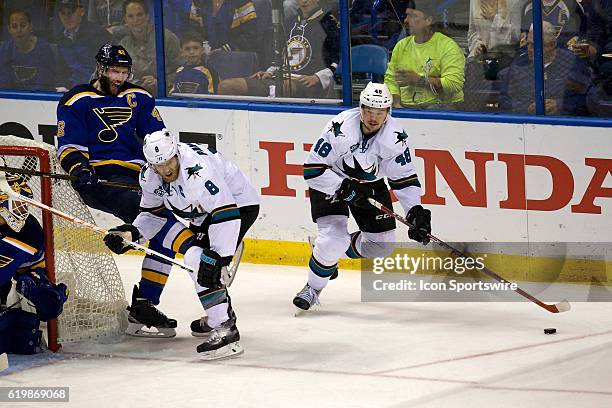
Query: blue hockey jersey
point(103, 129)
point(195, 80)
point(21, 250)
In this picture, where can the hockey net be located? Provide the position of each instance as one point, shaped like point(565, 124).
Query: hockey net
point(74, 255)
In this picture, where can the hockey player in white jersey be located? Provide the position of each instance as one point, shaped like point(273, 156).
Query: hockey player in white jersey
point(198, 185)
point(347, 165)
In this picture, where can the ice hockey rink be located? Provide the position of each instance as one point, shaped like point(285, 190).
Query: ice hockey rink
point(346, 354)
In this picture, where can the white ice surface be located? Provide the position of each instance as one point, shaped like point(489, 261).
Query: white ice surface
point(347, 354)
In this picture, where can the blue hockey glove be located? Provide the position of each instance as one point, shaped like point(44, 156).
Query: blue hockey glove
point(85, 177)
point(47, 298)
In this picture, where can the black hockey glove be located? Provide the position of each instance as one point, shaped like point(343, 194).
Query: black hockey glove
point(420, 218)
point(116, 238)
point(354, 192)
point(209, 273)
point(85, 178)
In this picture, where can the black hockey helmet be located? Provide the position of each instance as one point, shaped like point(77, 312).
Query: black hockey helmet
point(113, 56)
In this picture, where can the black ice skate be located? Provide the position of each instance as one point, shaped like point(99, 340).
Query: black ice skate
point(306, 298)
point(221, 342)
point(200, 327)
point(145, 320)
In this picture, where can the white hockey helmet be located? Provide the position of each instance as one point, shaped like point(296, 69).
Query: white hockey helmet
point(376, 95)
point(160, 146)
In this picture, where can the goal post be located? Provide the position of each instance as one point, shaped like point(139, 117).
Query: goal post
point(74, 256)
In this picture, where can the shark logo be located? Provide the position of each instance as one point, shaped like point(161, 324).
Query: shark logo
point(188, 212)
point(112, 117)
point(401, 137)
point(193, 171)
point(335, 128)
point(358, 172)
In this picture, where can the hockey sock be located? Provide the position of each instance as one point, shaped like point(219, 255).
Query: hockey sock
point(352, 251)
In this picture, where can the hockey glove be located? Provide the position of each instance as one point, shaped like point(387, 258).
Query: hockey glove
point(85, 178)
point(209, 272)
point(47, 298)
point(117, 238)
point(354, 192)
point(420, 220)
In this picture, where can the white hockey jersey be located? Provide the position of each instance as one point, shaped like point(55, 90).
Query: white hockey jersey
point(342, 152)
point(208, 186)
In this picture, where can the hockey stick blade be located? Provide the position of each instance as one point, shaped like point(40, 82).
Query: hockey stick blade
point(4, 364)
point(229, 273)
point(58, 176)
point(560, 307)
point(4, 187)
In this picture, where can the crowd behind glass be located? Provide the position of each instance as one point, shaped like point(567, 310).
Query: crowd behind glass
point(466, 55)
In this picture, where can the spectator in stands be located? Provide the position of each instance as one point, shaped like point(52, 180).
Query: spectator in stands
point(78, 38)
point(194, 77)
point(493, 23)
point(176, 16)
point(427, 68)
point(566, 79)
point(37, 9)
point(140, 43)
point(313, 53)
point(602, 37)
point(234, 25)
point(567, 17)
point(26, 61)
point(108, 14)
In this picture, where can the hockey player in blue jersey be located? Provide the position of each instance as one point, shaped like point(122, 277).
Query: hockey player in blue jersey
point(197, 184)
point(100, 127)
point(22, 260)
point(357, 149)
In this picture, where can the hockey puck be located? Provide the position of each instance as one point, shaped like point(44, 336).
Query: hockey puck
point(550, 331)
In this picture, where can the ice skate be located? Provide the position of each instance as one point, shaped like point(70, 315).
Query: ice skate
point(145, 320)
point(200, 327)
point(306, 299)
point(221, 342)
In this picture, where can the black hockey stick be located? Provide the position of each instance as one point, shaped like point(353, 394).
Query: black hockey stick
point(133, 187)
point(560, 307)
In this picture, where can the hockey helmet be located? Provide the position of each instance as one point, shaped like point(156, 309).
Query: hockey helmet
point(113, 56)
point(13, 210)
point(376, 95)
point(160, 146)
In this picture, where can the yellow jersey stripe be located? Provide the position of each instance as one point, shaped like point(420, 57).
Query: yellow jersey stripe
point(21, 245)
point(131, 166)
point(134, 90)
point(82, 95)
point(154, 276)
point(180, 239)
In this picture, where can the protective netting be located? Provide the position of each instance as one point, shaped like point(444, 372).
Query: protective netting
point(96, 305)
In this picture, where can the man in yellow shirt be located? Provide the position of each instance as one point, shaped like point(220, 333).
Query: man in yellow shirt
point(426, 68)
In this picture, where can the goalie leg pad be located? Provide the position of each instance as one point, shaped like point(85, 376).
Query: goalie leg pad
point(19, 332)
